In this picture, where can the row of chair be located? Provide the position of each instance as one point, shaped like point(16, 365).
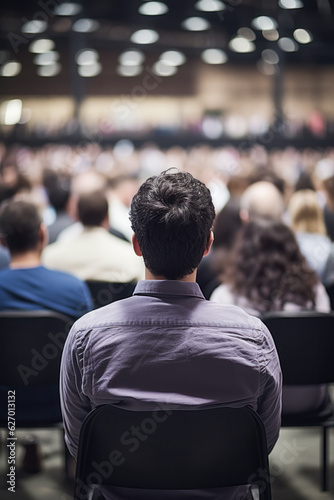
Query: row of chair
point(30, 353)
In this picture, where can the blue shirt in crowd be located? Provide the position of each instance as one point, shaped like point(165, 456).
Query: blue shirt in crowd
point(39, 288)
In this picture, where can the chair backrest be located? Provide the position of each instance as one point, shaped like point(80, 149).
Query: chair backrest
point(104, 292)
point(173, 449)
point(31, 344)
point(305, 345)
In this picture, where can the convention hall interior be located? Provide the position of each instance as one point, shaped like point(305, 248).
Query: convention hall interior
point(100, 95)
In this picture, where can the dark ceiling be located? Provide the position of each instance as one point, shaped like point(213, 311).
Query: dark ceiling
point(119, 19)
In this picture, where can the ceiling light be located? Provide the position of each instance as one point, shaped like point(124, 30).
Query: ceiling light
point(241, 44)
point(214, 56)
point(35, 26)
point(129, 70)
point(302, 36)
point(153, 9)
point(90, 70)
point(11, 111)
point(50, 70)
point(173, 58)
point(290, 4)
point(11, 68)
point(196, 24)
point(46, 58)
point(144, 36)
point(247, 33)
point(85, 25)
point(271, 35)
point(287, 44)
point(86, 57)
point(264, 23)
point(162, 69)
point(270, 56)
point(131, 58)
point(68, 9)
point(41, 45)
point(210, 5)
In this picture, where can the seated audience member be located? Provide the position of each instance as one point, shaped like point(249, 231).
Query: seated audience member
point(226, 228)
point(269, 273)
point(307, 220)
point(261, 199)
point(325, 174)
point(26, 284)
point(58, 188)
point(94, 253)
point(166, 343)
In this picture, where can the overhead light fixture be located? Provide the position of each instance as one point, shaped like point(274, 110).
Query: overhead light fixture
point(287, 44)
point(49, 70)
point(68, 9)
point(11, 111)
point(162, 69)
point(214, 56)
point(302, 36)
point(264, 23)
point(41, 45)
point(196, 24)
point(46, 58)
point(290, 4)
point(173, 58)
point(270, 56)
point(131, 58)
point(247, 33)
point(271, 35)
point(210, 5)
point(86, 57)
point(144, 36)
point(90, 70)
point(129, 70)
point(153, 9)
point(241, 45)
point(85, 25)
point(11, 68)
point(34, 26)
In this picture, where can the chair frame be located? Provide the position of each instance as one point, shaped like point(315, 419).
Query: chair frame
point(179, 449)
point(305, 345)
point(22, 328)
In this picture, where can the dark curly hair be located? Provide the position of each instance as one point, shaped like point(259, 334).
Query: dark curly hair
point(269, 269)
point(172, 215)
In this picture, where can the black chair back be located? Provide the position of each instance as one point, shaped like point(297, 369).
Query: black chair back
point(31, 344)
point(178, 449)
point(305, 344)
point(104, 292)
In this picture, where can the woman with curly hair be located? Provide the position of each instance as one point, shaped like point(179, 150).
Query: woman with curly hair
point(269, 273)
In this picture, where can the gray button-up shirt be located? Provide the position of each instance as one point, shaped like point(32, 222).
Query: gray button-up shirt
point(167, 344)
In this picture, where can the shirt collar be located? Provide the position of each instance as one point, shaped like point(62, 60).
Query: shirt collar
point(168, 287)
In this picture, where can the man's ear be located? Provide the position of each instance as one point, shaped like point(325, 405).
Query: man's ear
point(136, 246)
point(209, 244)
point(43, 235)
point(244, 215)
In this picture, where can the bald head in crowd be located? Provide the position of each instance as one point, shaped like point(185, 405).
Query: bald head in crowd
point(261, 199)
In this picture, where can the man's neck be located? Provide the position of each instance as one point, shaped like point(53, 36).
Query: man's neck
point(190, 278)
point(25, 260)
